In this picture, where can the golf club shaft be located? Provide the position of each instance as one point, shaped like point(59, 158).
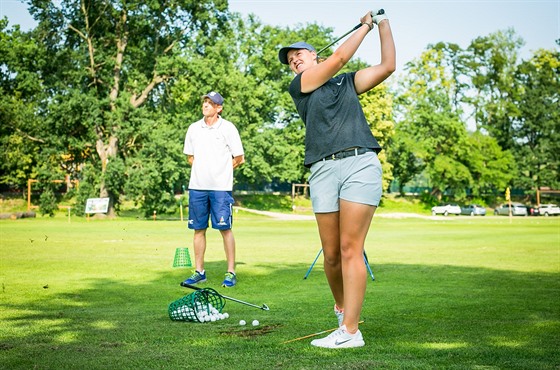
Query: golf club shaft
point(340, 38)
point(380, 11)
point(314, 334)
point(263, 307)
point(313, 264)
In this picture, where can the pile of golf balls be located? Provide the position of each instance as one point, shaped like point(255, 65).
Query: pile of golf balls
point(204, 316)
point(182, 312)
point(201, 312)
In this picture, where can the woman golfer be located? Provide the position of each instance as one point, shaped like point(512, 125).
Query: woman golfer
point(341, 153)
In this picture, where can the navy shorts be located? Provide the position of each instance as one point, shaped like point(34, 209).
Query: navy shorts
point(204, 204)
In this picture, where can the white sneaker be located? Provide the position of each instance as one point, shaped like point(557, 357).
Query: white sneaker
point(339, 315)
point(340, 338)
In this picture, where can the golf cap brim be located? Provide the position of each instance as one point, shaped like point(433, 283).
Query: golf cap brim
point(215, 97)
point(283, 53)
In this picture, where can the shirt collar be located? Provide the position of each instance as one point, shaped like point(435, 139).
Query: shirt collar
point(215, 125)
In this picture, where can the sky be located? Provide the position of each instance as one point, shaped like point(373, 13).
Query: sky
point(415, 24)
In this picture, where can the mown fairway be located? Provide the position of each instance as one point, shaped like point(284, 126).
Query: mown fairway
point(455, 293)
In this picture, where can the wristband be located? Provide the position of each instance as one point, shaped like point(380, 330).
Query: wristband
point(369, 25)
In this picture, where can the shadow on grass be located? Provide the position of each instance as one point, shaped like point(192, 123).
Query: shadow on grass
point(415, 317)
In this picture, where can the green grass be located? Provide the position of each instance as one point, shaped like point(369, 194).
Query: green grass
point(394, 203)
point(452, 293)
point(268, 202)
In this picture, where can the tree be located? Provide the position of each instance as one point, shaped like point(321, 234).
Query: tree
point(401, 155)
point(432, 134)
point(537, 128)
point(21, 88)
point(108, 59)
point(432, 126)
point(491, 62)
point(378, 109)
point(491, 168)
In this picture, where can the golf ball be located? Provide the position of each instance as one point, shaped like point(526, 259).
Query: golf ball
point(242, 322)
point(226, 315)
point(255, 322)
point(212, 318)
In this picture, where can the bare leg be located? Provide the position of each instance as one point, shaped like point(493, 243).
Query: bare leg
point(229, 248)
point(328, 224)
point(199, 249)
point(355, 220)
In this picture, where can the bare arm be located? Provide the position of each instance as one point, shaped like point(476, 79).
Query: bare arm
point(367, 78)
point(317, 75)
point(238, 161)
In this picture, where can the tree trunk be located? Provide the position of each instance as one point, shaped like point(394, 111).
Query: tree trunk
point(106, 152)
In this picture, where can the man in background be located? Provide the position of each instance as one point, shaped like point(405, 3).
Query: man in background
point(213, 148)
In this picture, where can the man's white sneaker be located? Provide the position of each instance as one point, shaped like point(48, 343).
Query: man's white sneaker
point(340, 338)
point(339, 315)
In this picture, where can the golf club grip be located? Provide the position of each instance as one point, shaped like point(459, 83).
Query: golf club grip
point(379, 12)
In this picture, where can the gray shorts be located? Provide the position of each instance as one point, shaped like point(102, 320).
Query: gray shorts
point(355, 179)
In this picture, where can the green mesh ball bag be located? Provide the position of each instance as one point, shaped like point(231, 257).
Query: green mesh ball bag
point(196, 306)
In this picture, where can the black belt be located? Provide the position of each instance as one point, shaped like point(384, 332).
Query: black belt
point(348, 153)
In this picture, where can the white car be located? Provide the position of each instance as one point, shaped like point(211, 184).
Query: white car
point(446, 209)
point(517, 209)
point(473, 210)
point(549, 210)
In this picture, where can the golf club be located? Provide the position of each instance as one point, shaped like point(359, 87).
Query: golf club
point(380, 11)
point(263, 307)
point(321, 251)
point(314, 334)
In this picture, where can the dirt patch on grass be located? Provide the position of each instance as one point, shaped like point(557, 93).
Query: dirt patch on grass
point(250, 332)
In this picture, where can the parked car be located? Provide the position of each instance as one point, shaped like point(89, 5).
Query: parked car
point(517, 209)
point(549, 210)
point(473, 210)
point(533, 211)
point(446, 209)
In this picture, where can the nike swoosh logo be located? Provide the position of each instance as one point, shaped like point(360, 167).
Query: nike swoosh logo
point(338, 342)
point(340, 83)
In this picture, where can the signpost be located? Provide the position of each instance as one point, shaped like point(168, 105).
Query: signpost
point(508, 198)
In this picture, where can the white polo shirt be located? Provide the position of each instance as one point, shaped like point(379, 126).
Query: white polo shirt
point(213, 148)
